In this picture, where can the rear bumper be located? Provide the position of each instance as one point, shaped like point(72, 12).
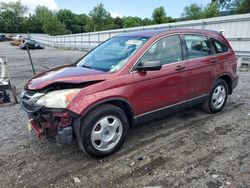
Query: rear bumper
point(235, 82)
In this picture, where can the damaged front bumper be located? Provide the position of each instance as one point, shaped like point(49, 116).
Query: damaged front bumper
point(54, 124)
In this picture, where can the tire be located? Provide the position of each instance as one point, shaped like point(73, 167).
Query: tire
point(103, 131)
point(217, 97)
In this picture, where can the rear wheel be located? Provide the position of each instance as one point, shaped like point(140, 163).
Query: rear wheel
point(217, 97)
point(103, 131)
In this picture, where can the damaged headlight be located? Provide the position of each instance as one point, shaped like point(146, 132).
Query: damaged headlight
point(58, 99)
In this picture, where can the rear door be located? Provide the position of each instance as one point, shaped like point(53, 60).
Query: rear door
point(155, 90)
point(200, 65)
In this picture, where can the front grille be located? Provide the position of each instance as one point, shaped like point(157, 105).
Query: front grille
point(28, 103)
point(29, 108)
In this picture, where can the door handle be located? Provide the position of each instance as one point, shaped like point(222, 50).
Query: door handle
point(179, 67)
point(214, 60)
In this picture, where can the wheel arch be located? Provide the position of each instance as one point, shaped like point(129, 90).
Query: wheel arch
point(119, 102)
point(228, 79)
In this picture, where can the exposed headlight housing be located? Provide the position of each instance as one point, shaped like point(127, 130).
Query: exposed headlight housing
point(58, 99)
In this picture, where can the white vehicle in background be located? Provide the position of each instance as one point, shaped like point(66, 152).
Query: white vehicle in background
point(5, 84)
point(3, 78)
point(17, 37)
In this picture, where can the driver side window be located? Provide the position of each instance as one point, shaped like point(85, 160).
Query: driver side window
point(166, 50)
point(197, 46)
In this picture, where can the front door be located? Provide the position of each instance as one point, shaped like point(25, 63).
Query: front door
point(158, 90)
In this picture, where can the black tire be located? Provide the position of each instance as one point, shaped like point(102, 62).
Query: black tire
point(209, 106)
point(90, 121)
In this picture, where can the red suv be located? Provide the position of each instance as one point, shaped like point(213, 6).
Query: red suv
point(129, 79)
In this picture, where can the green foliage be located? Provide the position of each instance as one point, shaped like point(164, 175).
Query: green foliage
point(147, 21)
point(242, 6)
point(159, 16)
point(32, 25)
point(225, 4)
point(42, 13)
point(14, 19)
point(118, 23)
point(11, 16)
point(81, 22)
point(212, 10)
point(193, 12)
point(73, 22)
point(131, 21)
point(53, 26)
point(68, 18)
point(45, 21)
point(236, 6)
point(100, 18)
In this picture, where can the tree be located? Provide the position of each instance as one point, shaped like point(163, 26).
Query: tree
point(109, 23)
point(193, 12)
point(12, 16)
point(67, 17)
point(32, 25)
point(212, 10)
point(82, 20)
point(73, 22)
point(118, 23)
point(242, 6)
point(225, 4)
point(131, 21)
point(159, 15)
point(42, 13)
point(100, 18)
point(146, 21)
point(235, 6)
point(48, 22)
point(53, 26)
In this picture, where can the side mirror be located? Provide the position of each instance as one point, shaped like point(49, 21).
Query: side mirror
point(149, 66)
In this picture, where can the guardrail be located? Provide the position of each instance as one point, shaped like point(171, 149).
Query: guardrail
point(235, 28)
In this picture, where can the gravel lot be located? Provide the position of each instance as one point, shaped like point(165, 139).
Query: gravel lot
point(189, 149)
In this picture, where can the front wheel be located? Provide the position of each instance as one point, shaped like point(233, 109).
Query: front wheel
point(103, 131)
point(217, 97)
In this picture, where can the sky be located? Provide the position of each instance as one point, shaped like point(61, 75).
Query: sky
point(140, 8)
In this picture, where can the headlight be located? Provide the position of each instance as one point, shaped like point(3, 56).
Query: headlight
point(58, 99)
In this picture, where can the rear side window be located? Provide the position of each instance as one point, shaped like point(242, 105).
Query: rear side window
point(219, 47)
point(166, 50)
point(197, 46)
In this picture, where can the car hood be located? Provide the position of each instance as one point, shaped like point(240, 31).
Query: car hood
point(66, 74)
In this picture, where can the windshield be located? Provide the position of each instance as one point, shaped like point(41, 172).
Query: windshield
point(113, 54)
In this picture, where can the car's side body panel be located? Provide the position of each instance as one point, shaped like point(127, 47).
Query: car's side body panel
point(158, 89)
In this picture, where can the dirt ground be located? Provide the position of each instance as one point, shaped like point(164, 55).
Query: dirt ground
point(189, 149)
